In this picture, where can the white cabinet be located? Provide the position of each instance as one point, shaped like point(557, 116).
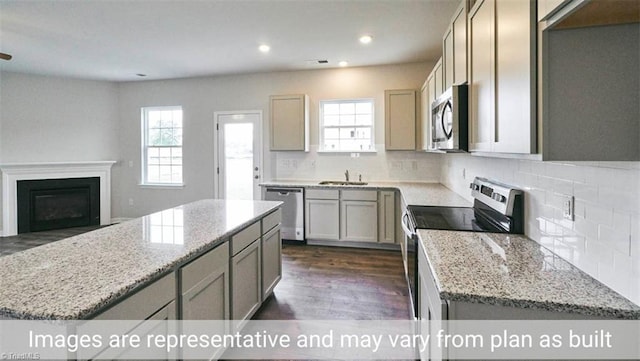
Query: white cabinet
point(459, 28)
point(447, 58)
point(481, 75)
point(271, 261)
point(246, 282)
point(358, 215)
point(387, 217)
point(400, 119)
point(502, 76)
point(438, 79)
point(246, 272)
point(425, 116)
point(205, 286)
point(289, 116)
point(145, 302)
point(322, 210)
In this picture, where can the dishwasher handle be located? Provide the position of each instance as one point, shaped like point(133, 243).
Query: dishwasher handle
point(284, 191)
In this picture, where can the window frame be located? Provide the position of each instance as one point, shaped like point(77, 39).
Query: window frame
point(144, 114)
point(322, 127)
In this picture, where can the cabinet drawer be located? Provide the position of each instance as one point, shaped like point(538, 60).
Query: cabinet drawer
point(322, 193)
point(204, 265)
point(244, 238)
point(144, 303)
point(271, 220)
point(354, 195)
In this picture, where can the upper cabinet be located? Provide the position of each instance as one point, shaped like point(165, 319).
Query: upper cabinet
point(590, 83)
point(400, 119)
point(502, 76)
point(289, 116)
point(454, 49)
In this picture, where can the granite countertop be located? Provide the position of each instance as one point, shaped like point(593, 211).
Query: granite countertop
point(413, 193)
point(513, 270)
point(76, 277)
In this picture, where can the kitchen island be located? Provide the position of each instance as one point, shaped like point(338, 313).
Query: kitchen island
point(82, 276)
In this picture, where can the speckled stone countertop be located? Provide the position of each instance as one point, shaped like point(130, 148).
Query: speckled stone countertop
point(413, 193)
point(76, 277)
point(513, 270)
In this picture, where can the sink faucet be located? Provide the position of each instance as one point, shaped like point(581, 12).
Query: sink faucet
point(346, 175)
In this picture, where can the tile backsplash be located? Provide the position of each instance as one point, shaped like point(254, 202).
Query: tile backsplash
point(603, 240)
point(378, 166)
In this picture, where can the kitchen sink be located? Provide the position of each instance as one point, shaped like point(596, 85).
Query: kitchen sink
point(342, 183)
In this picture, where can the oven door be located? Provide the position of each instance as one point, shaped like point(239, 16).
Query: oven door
point(410, 256)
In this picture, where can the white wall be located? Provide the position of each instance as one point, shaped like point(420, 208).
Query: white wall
point(604, 240)
point(48, 119)
point(201, 97)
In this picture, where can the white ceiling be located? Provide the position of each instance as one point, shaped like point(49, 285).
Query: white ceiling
point(115, 40)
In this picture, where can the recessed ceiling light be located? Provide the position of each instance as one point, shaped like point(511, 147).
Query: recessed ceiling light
point(343, 63)
point(366, 39)
point(264, 48)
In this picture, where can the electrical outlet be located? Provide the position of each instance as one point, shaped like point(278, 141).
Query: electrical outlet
point(130, 201)
point(464, 173)
point(568, 209)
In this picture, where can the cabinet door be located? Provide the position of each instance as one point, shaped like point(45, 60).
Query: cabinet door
point(358, 221)
point(289, 122)
point(322, 219)
point(204, 286)
point(425, 119)
point(448, 57)
point(271, 261)
point(246, 282)
point(400, 119)
point(387, 217)
point(460, 45)
point(209, 299)
point(439, 78)
point(481, 76)
point(515, 77)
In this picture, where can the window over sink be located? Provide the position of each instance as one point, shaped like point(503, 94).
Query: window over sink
point(346, 125)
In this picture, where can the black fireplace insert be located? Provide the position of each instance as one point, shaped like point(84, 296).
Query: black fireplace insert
point(47, 204)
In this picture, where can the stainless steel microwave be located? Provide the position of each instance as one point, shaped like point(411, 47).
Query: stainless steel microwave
point(449, 120)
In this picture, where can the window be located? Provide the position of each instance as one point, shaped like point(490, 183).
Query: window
point(162, 146)
point(346, 125)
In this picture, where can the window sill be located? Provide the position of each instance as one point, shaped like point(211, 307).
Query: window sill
point(162, 185)
point(347, 151)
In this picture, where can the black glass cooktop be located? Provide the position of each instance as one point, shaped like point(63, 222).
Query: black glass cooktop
point(451, 219)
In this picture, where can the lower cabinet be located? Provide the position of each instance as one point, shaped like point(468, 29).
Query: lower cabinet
point(271, 261)
point(358, 221)
point(205, 286)
point(246, 282)
point(387, 217)
point(350, 215)
point(322, 210)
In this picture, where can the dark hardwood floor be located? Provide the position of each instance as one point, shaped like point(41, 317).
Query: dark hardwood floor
point(318, 283)
point(24, 241)
point(331, 283)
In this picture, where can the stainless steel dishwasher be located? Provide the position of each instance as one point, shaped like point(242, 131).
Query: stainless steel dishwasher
point(292, 226)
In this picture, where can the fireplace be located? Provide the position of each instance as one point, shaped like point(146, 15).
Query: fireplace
point(46, 204)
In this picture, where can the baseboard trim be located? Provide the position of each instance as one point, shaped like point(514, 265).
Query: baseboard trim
point(370, 245)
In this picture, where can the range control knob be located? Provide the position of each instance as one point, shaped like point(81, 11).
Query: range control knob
point(498, 197)
point(474, 186)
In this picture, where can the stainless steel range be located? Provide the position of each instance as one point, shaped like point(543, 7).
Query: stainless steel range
point(497, 208)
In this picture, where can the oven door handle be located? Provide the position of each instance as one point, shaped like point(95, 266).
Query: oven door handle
point(405, 228)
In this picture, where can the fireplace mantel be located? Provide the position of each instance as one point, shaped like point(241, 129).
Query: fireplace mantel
point(14, 172)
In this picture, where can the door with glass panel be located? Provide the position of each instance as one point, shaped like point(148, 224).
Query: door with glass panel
point(239, 167)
